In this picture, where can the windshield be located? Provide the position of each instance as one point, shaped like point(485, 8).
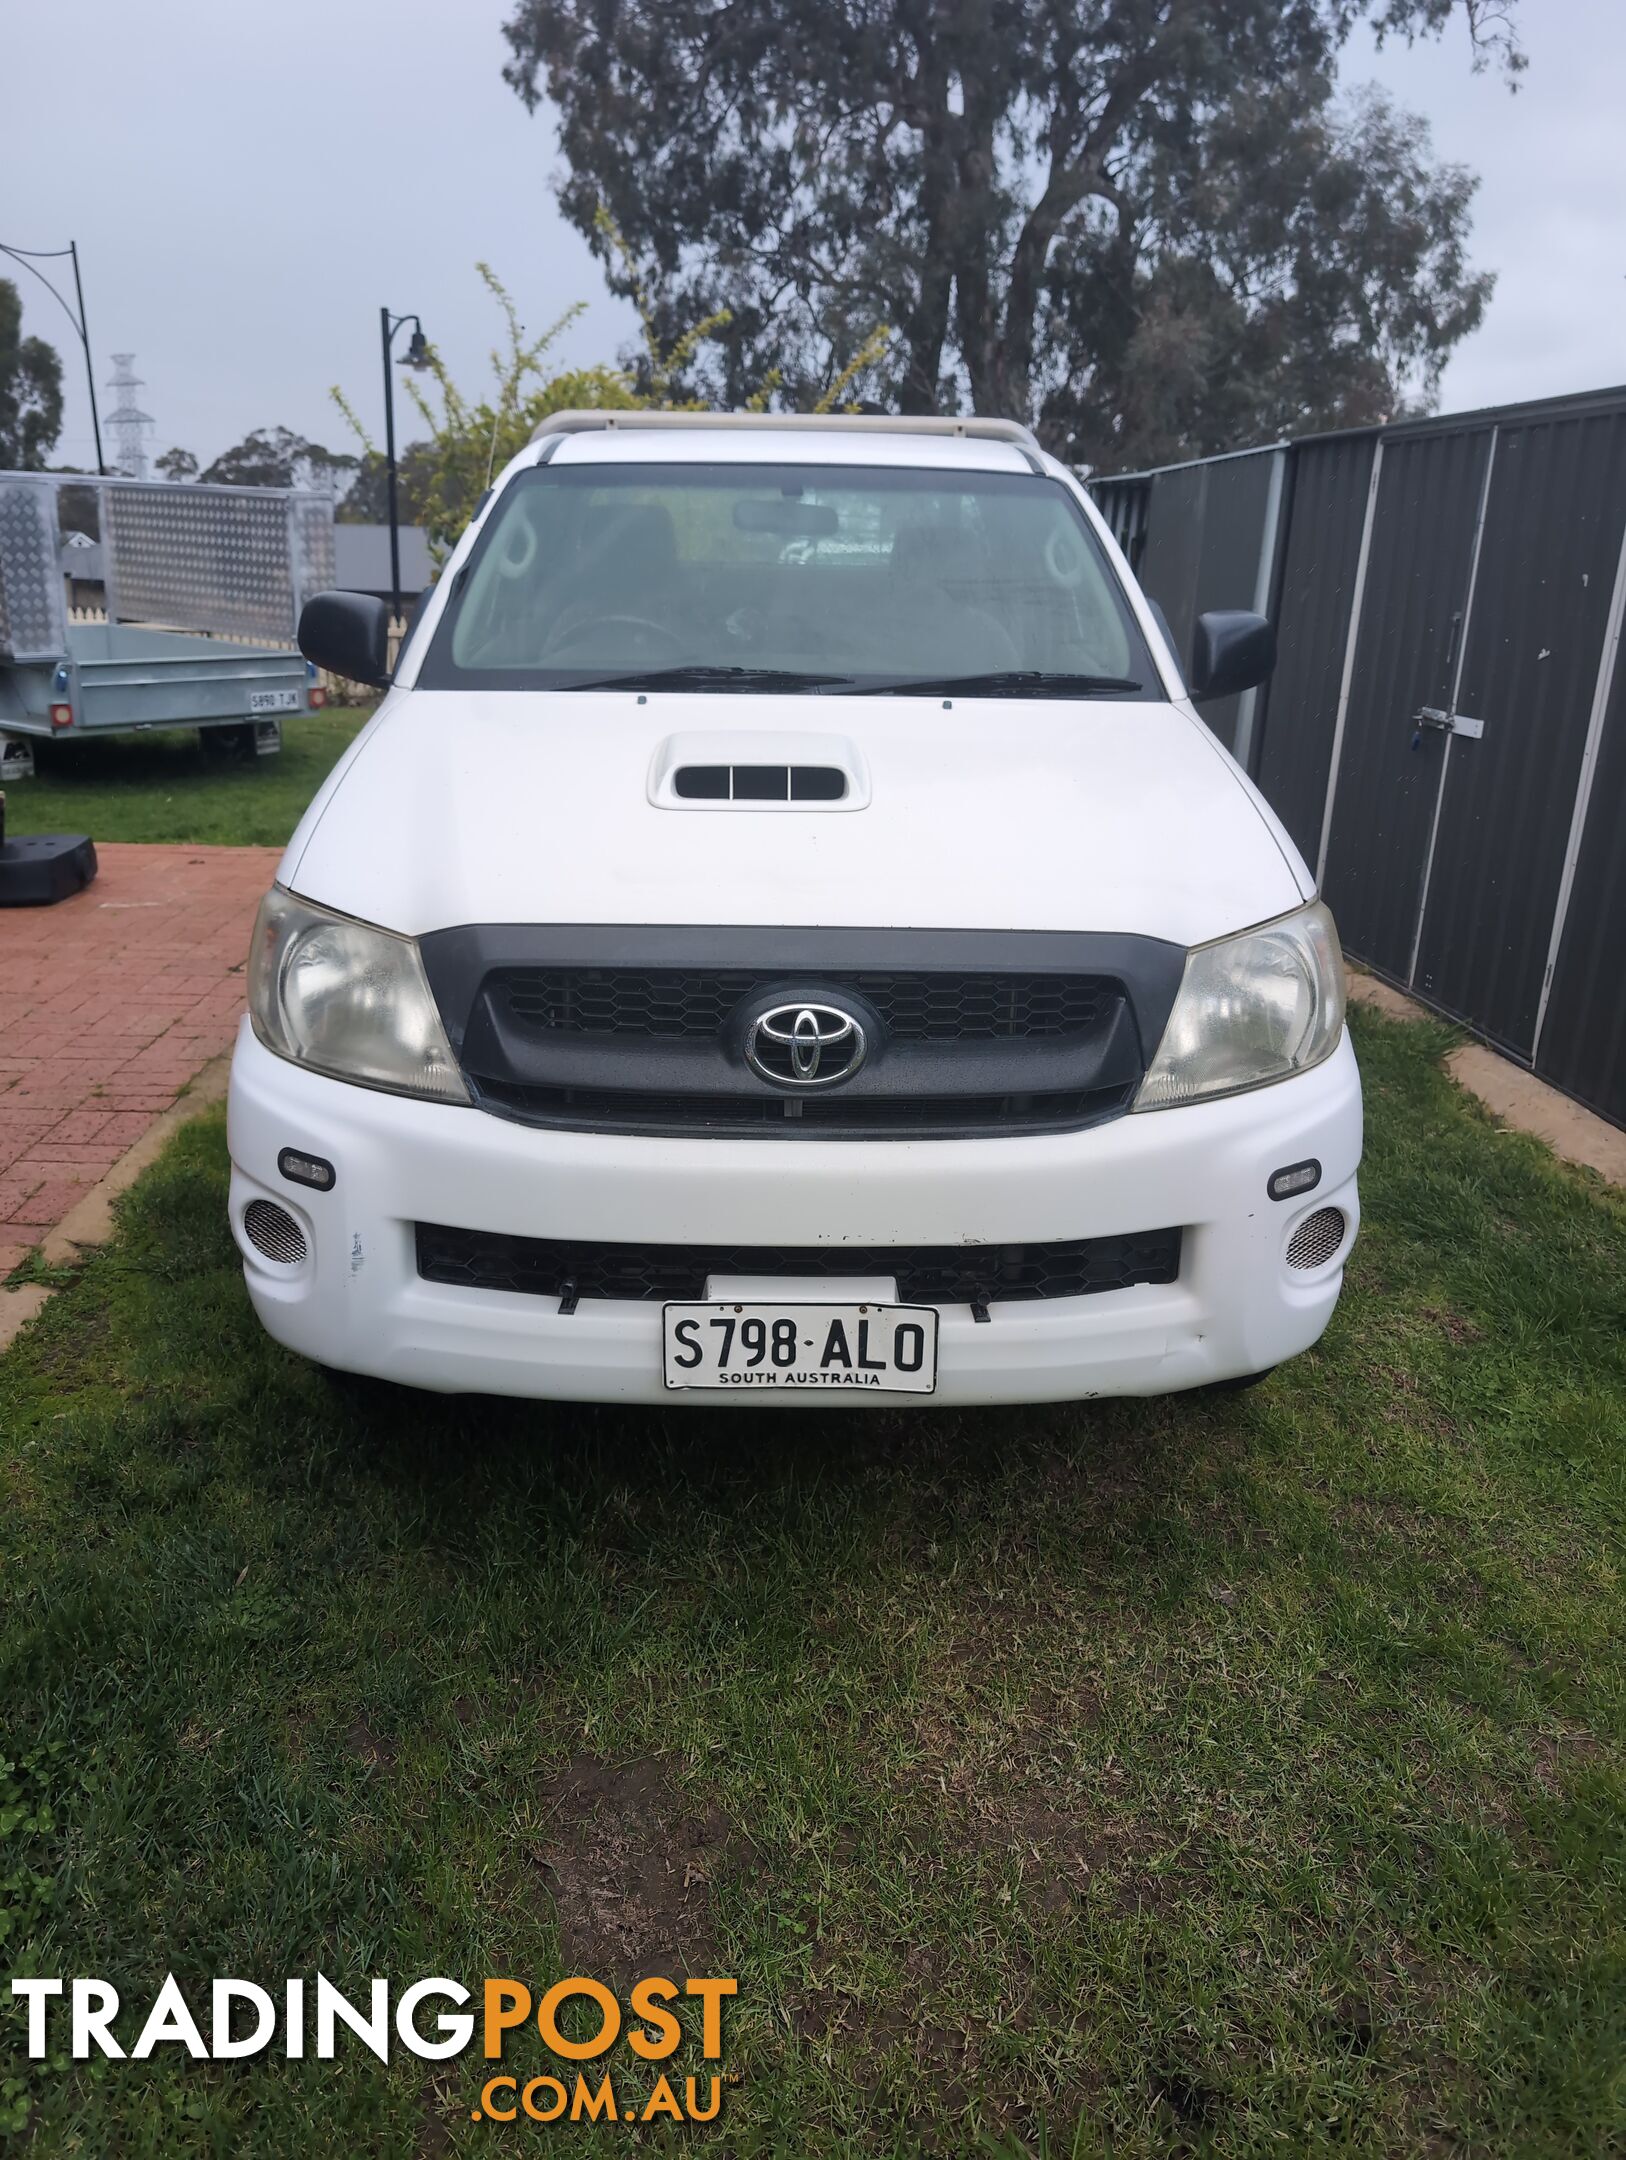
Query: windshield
point(796, 577)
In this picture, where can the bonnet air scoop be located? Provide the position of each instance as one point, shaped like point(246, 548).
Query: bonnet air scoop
point(759, 783)
point(742, 769)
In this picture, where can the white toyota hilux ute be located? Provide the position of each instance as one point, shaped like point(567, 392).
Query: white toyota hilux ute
point(786, 928)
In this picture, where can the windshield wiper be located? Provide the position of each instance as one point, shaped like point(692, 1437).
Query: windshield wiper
point(706, 677)
point(1014, 682)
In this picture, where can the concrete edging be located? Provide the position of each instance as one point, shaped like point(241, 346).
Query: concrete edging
point(1510, 1092)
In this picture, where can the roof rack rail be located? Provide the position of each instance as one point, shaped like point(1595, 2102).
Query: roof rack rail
point(975, 424)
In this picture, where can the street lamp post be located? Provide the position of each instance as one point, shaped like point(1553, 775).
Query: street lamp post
point(28, 257)
point(417, 356)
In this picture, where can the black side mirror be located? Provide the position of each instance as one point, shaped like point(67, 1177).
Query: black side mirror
point(1230, 651)
point(348, 633)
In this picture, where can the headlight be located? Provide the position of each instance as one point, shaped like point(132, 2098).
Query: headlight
point(347, 1000)
point(1251, 1009)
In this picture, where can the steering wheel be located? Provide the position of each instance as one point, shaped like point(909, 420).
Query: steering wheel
point(642, 625)
point(1065, 557)
point(515, 557)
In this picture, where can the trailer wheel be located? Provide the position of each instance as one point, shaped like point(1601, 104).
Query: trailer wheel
point(228, 742)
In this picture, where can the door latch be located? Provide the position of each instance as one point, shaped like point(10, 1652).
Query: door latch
point(1443, 723)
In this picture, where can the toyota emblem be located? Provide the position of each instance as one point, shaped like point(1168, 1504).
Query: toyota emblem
point(805, 1045)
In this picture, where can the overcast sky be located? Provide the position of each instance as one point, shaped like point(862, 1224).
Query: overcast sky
point(248, 187)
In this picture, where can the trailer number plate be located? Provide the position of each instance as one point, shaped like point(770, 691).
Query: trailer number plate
point(274, 701)
point(885, 1348)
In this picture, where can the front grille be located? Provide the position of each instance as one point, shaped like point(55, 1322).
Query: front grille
point(668, 1003)
point(629, 1029)
point(786, 1117)
point(925, 1274)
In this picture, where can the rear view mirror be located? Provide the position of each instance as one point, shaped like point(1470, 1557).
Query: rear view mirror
point(1230, 651)
point(348, 633)
point(785, 515)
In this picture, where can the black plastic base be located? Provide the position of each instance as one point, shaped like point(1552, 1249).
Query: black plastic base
point(44, 868)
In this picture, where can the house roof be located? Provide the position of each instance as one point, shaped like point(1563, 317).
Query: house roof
point(361, 558)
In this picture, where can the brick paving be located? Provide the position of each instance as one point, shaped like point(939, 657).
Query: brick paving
point(109, 1004)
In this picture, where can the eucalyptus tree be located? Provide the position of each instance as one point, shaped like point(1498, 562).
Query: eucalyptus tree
point(1152, 226)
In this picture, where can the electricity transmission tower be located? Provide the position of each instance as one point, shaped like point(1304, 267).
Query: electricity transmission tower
point(128, 424)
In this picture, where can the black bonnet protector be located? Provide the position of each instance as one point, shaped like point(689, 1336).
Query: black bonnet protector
point(643, 1028)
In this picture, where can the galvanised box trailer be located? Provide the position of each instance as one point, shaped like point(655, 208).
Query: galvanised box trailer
point(203, 590)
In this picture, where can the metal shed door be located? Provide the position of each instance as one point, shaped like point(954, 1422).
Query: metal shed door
point(1408, 657)
point(1548, 559)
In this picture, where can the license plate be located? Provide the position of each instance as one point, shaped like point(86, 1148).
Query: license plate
point(274, 701)
point(805, 1348)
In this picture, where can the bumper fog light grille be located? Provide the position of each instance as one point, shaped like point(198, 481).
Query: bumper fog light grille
point(274, 1234)
point(1316, 1239)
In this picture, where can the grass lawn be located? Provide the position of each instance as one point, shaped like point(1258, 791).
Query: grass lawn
point(1232, 1776)
point(164, 786)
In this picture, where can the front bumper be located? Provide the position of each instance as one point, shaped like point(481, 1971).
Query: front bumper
point(358, 1302)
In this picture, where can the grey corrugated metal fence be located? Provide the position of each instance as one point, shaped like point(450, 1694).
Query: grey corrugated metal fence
point(1445, 732)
